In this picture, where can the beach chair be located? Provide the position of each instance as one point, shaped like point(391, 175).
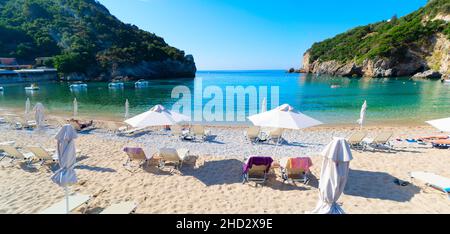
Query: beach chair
point(75, 202)
point(121, 208)
point(178, 132)
point(11, 151)
point(199, 132)
point(276, 135)
point(433, 138)
point(295, 169)
point(136, 154)
point(41, 154)
point(356, 140)
point(435, 181)
point(256, 169)
point(441, 144)
point(381, 141)
point(253, 134)
point(2, 120)
point(172, 156)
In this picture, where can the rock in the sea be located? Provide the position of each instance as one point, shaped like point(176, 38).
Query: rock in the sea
point(430, 74)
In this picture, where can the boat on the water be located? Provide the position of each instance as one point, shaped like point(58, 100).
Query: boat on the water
point(32, 87)
point(446, 81)
point(78, 85)
point(141, 84)
point(1, 89)
point(116, 85)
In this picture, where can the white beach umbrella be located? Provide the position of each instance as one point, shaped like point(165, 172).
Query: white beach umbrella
point(127, 107)
point(362, 116)
point(75, 107)
point(283, 117)
point(27, 108)
point(39, 114)
point(66, 151)
point(157, 116)
point(333, 177)
point(441, 124)
point(264, 105)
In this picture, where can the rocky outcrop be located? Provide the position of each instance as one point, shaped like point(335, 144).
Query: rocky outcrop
point(430, 74)
point(154, 70)
point(435, 57)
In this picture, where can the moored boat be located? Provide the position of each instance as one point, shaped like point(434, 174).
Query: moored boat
point(116, 85)
point(141, 84)
point(33, 87)
point(78, 85)
point(1, 89)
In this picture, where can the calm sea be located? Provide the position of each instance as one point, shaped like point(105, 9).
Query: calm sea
point(333, 100)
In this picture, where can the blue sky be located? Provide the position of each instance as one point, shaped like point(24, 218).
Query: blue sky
point(252, 34)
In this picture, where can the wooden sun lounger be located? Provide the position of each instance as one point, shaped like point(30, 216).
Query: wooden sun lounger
point(356, 140)
point(174, 156)
point(75, 201)
point(122, 208)
point(15, 154)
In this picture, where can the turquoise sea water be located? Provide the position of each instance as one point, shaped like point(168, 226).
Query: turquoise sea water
point(333, 100)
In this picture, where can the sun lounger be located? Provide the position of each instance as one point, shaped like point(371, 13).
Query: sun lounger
point(121, 208)
point(433, 138)
point(256, 169)
point(441, 144)
point(136, 154)
point(129, 132)
point(7, 143)
point(2, 120)
point(199, 132)
point(253, 134)
point(438, 182)
point(75, 202)
point(11, 151)
point(178, 132)
point(41, 154)
point(295, 169)
point(172, 156)
point(356, 140)
point(381, 141)
point(81, 127)
point(276, 135)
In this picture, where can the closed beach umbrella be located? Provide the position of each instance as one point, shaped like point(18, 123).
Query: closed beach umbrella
point(157, 116)
point(75, 107)
point(441, 124)
point(362, 116)
point(264, 105)
point(27, 108)
point(66, 175)
point(285, 117)
point(127, 107)
point(333, 177)
point(39, 114)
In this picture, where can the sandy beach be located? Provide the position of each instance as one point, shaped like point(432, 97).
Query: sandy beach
point(212, 183)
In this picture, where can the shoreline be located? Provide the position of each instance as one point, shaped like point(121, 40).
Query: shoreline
point(109, 118)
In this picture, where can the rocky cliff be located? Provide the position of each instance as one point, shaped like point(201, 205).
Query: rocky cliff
point(417, 44)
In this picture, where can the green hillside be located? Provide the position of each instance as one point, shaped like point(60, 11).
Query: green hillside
point(81, 35)
point(385, 39)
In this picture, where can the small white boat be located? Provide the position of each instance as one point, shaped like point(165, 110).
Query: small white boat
point(33, 87)
point(141, 84)
point(116, 85)
point(78, 85)
point(446, 81)
point(1, 89)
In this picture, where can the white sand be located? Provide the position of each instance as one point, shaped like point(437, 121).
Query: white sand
point(213, 184)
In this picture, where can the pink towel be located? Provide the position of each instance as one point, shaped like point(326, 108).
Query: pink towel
point(300, 163)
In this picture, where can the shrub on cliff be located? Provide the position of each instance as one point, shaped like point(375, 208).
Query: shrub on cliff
point(385, 39)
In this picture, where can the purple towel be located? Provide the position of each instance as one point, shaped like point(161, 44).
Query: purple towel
point(257, 161)
point(130, 150)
